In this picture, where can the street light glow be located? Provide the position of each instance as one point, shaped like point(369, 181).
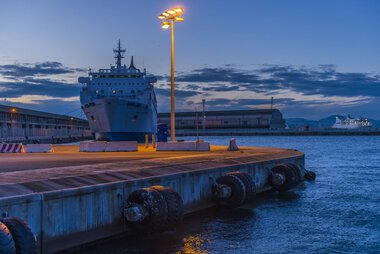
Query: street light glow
point(165, 25)
point(168, 18)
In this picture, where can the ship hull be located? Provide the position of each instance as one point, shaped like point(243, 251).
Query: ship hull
point(119, 119)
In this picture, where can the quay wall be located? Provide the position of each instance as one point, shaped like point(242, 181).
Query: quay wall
point(73, 217)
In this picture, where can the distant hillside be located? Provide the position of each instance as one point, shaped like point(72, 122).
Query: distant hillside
point(296, 123)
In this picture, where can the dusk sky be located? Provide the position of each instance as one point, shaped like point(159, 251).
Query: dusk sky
point(316, 58)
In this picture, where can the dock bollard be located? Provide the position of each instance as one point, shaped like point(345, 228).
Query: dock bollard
point(146, 140)
point(232, 145)
point(154, 140)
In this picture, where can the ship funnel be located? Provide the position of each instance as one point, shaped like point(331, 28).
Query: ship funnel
point(132, 66)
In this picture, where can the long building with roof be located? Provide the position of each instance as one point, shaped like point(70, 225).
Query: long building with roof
point(25, 125)
point(226, 122)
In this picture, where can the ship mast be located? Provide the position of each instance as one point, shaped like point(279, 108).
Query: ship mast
point(119, 54)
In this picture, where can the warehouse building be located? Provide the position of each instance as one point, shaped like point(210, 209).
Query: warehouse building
point(24, 125)
point(225, 122)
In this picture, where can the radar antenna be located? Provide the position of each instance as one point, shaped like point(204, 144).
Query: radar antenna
point(119, 54)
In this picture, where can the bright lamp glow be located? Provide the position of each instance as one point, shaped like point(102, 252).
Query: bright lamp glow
point(179, 10)
point(179, 19)
point(161, 17)
point(166, 14)
point(165, 25)
point(171, 12)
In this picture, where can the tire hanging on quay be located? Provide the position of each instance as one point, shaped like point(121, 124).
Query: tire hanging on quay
point(249, 184)
point(174, 204)
point(154, 209)
point(24, 239)
point(290, 175)
point(234, 189)
point(153, 204)
point(7, 244)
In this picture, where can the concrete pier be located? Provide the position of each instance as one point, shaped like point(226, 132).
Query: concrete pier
point(71, 198)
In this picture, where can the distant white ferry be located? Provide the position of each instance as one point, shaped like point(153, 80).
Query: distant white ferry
point(351, 123)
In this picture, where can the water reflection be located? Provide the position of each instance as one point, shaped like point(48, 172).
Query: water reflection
point(192, 245)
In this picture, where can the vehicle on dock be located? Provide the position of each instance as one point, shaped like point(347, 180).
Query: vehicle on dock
point(120, 102)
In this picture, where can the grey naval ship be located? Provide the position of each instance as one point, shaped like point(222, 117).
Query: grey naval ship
point(120, 103)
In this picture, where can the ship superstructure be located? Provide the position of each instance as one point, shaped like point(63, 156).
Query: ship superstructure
point(349, 122)
point(119, 103)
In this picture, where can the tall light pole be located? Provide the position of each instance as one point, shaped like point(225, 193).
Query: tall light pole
point(168, 18)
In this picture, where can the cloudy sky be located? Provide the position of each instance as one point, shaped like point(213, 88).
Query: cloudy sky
point(316, 58)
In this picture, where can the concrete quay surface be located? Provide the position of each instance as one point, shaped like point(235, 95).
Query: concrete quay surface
point(70, 198)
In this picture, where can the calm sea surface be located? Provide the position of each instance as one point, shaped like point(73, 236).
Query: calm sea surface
point(338, 213)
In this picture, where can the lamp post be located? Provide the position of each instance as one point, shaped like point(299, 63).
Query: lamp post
point(168, 18)
point(13, 110)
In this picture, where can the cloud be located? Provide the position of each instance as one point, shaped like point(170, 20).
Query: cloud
point(323, 80)
point(19, 70)
point(38, 99)
point(179, 93)
point(297, 90)
point(46, 86)
point(38, 87)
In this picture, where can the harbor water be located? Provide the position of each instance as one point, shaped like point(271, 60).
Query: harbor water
point(338, 213)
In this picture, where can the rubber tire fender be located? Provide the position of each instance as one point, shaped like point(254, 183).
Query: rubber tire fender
point(296, 172)
point(310, 175)
point(7, 244)
point(175, 206)
point(155, 204)
point(290, 178)
point(249, 184)
point(238, 193)
point(23, 236)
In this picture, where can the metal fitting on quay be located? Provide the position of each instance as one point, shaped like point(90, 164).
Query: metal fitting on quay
point(135, 212)
point(278, 179)
point(222, 191)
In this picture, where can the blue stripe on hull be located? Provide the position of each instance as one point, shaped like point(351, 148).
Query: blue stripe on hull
point(122, 136)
